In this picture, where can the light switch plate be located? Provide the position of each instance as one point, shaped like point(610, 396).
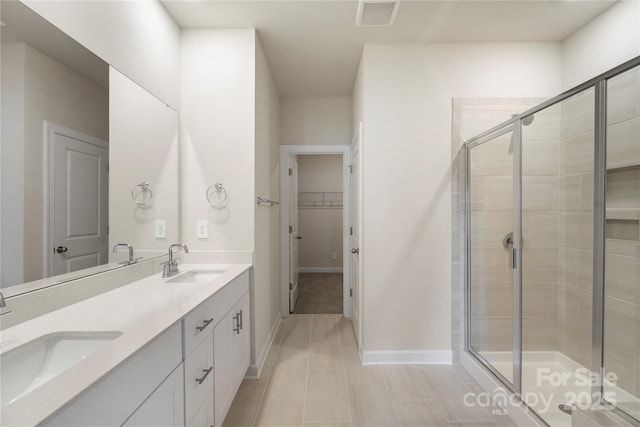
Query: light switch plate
point(161, 228)
point(202, 229)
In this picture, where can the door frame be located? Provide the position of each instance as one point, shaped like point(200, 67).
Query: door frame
point(50, 129)
point(286, 151)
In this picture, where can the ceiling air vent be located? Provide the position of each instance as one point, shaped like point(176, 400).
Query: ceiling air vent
point(376, 13)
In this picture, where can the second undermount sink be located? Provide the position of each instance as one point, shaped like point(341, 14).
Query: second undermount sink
point(30, 365)
point(197, 276)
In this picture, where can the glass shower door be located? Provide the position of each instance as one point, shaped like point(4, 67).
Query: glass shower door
point(491, 274)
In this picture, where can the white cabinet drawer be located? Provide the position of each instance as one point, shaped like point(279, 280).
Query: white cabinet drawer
point(227, 297)
point(198, 324)
point(204, 416)
point(199, 376)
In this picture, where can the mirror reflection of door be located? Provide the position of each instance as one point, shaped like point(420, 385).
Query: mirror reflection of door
point(78, 200)
point(293, 234)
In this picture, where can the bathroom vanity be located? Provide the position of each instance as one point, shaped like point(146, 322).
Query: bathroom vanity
point(162, 352)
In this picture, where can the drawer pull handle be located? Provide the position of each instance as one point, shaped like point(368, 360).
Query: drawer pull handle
point(204, 325)
point(241, 319)
point(206, 374)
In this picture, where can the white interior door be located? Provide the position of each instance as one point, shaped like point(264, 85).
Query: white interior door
point(78, 200)
point(354, 231)
point(293, 233)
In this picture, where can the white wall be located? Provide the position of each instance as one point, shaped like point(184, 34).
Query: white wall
point(403, 95)
point(218, 135)
point(230, 134)
point(609, 40)
point(138, 38)
point(321, 229)
point(12, 158)
point(58, 94)
point(315, 121)
point(143, 146)
point(266, 285)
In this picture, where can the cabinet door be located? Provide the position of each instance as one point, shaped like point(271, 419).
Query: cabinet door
point(231, 348)
point(241, 343)
point(165, 406)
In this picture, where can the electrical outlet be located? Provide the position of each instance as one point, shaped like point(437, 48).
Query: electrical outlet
point(334, 255)
point(161, 229)
point(202, 229)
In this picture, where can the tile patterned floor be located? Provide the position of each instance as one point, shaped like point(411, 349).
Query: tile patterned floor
point(313, 378)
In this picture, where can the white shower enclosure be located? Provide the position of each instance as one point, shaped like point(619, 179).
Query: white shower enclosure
point(552, 249)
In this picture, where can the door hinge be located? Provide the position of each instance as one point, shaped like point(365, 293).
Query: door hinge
point(290, 171)
point(350, 231)
point(351, 292)
point(350, 168)
point(290, 286)
point(290, 229)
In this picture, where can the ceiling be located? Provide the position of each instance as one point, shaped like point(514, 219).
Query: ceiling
point(25, 26)
point(314, 47)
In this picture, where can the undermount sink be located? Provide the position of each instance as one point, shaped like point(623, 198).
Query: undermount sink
point(32, 364)
point(197, 276)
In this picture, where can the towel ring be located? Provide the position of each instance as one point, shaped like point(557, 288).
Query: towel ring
point(138, 195)
point(219, 204)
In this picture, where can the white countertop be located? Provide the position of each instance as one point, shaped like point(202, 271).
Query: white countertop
point(141, 310)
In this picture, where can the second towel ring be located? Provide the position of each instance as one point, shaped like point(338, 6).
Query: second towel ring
point(219, 203)
point(138, 195)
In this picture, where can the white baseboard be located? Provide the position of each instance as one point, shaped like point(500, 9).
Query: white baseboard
point(319, 270)
point(255, 369)
point(407, 357)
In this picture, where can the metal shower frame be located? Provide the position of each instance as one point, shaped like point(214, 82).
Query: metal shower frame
point(599, 84)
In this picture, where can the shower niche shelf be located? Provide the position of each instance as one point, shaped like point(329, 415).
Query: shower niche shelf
point(623, 229)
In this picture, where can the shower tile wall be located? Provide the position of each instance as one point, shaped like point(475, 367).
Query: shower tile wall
point(574, 205)
point(557, 227)
point(493, 166)
point(622, 264)
point(541, 224)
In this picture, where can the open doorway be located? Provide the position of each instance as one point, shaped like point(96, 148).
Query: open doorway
point(319, 237)
point(315, 223)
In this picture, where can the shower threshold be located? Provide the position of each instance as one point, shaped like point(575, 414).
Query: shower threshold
point(552, 382)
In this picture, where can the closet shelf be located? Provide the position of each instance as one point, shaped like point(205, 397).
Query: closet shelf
point(319, 200)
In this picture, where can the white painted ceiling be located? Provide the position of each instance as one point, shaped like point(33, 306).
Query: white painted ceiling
point(314, 46)
point(25, 26)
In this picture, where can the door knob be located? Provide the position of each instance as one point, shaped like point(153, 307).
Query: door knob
point(61, 249)
point(355, 250)
point(299, 237)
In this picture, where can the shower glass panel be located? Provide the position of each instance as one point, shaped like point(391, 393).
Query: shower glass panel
point(491, 280)
point(622, 247)
point(557, 254)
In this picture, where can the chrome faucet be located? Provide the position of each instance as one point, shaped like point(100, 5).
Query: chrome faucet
point(128, 246)
point(171, 266)
point(3, 304)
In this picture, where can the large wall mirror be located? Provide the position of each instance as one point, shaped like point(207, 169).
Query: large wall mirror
point(82, 150)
